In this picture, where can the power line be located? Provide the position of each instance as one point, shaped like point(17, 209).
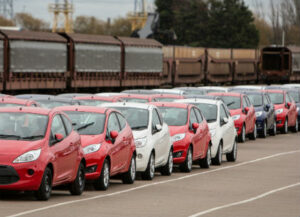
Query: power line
point(7, 8)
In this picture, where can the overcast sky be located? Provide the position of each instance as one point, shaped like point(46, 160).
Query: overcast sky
point(101, 9)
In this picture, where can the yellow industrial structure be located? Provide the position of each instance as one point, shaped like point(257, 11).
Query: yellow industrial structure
point(140, 15)
point(66, 9)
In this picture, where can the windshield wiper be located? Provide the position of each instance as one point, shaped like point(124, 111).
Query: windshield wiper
point(210, 120)
point(33, 137)
point(138, 127)
point(10, 136)
point(229, 104)
point(85, 126)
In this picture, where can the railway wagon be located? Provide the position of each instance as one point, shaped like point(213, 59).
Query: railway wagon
point(168, 65)
point(34, 60)
point(2, 65)
point(141, 62)
point(94, 61)
point(295, 76)
point(276, 64)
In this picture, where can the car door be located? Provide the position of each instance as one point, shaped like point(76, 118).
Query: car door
point(62, 150)
point(200, 134)
point(117, 159)
point(251, 113)
point(226, 127)
point(291, 110)
point(247, 114)
point(269, 112)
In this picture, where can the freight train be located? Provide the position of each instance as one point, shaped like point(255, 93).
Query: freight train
point(51, 62)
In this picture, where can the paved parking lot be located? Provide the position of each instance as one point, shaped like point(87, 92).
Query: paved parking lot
point(265, 181)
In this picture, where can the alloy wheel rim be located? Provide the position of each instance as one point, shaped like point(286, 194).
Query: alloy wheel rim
point(255, 131)
point(208, 157)
point(265, 129)
point(297, 125)
point(190, 159)
point(132, 171)
point(275, 128)
point(81, 178)
point(234, 150)
point(220, 153)
point(152, 166)
point(47, 184)
point(106, 175)
point(286, 126)
point(170, 162)
point(244, 134)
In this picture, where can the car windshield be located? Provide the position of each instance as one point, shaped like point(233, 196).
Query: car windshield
point(215, 91)
point(164, 99)
point(295, 95)
point(135, 100)
point(9, 105)
point(51, 104)
point(232, 102)
point(92, 102)
point(194, 92)
point(174, 116)
point(210, 111)
point(276, 98)
point(137, 118)
point(87, 123)
point(22, 126)
point(256, 100)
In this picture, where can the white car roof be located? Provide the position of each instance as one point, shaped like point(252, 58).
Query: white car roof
point(128, 104)
point(250, 87)
point(292, 85)
point(207, 101)
point(108, 94)
point(170, 91)
point(214, 87)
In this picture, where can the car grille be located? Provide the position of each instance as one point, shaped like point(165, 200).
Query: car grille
point(8, 175)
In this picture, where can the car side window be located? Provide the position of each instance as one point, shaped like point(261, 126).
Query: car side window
point(193, 118)
point(122, 121)
point(113, 123)
point(57, 127)
point(266, 101)
point(249, 104)
point(68, 124)
point(288, 98)
point(199, 115)
point(155, 119)
point(244, 102)
point(223, 113)
point(269, 100)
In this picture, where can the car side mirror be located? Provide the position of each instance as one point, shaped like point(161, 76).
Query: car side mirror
point(195, 126)
point(289, 104)
point(114, 134)
point(268, 106)
point(58, 137)
point(247, 110)
point(158, 127)
point(225, 120)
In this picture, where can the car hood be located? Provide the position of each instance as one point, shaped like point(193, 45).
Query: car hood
point(11, 149)
point(235, 112)
point(177, 130)
point(87, 140)
point(212, 125)
point(137, 134)
point(259, 109)
point(280, 106)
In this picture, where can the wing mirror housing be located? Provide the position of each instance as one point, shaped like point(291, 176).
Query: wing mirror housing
point(247, 110)
point(267, 107)
point(195, 126)
point(114, 135)
point(158, 127)
point(289, 104)
point(58, 137)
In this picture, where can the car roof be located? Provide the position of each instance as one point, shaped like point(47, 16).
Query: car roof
point(166, 95)
point(14, 100)
point(72, 95)
point(81, 108)
point(171, 91)
point(33, 96)
point(128, 104)
point(140, 91)
point(108, 94)
point(226, 94)
point(170, 104)
point(93, 97)
point(195, 100)
point(34, 110)
point(137, 96)
point(274, 91)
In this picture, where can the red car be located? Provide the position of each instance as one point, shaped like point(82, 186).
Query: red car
point(135, 98)
point(39, 149)
point(190, 134)
point(107, 142)
point(166, 97)
point(95, 100)
point(242, 112)
point(285, 110)
point(12, 102)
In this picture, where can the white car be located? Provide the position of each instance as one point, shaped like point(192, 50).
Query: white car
point(221, 127)
point(152, 138)
point(213, 89)
point(170, 91)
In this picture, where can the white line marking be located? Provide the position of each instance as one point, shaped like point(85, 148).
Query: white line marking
point(151, 184)
point(245, 201)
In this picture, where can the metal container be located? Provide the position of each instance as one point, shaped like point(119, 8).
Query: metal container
point(168, 65)
point(95, 61)
point(1, 61)
point(295, 76)
point(30, 57)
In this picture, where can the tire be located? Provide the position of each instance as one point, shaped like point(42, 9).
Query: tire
point(231, 157)
point(77, 187)
point(242, 136)
point(187, 165)
point(264, 131)
point(168, 168)
point(102, 182)
point(273, 131)
point(45, 189)
point(129, 176)
point(295, 128)
point(150, 171)
point(206, 162)
point(285, 128)
point(253, 135)
point(218, 159)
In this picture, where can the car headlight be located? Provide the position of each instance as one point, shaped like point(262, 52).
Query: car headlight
point(236, 117)
point(278, 111)
point(177, 137)
point(297, 109)
point(91, 148)
point(28, 156)
point(212, 132)
point(139, 143)
point(258, 114)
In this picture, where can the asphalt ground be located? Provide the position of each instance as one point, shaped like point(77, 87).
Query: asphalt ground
point(264, 181)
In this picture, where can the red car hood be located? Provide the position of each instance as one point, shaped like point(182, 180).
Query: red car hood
point(87, 140)
point(177, 129)
point(279, 106)
point(11, 149)
point(235, 112)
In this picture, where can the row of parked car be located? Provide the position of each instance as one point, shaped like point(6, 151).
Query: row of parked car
point(48, 141)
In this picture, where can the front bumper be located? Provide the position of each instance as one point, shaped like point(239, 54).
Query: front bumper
point(180, 151)
point(94, 163)
point(142, 158)
point(238, 126)
point(280, 119)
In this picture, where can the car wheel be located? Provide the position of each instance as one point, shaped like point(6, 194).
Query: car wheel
point(253, 135)
point(45, 189)
point(206, 162)
point(150, 171)
point(129, 176)
point(218, 159)
point(233, 154)
point(296, 127)
point(264, 131)
point(188, 163)
point(242, 136)
point(77, 187)
point(273, 131)
point(168, 168)
point(285, 128)
point(102, 182)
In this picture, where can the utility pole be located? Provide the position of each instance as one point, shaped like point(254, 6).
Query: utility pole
point(7, 9)
point(66, 9)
